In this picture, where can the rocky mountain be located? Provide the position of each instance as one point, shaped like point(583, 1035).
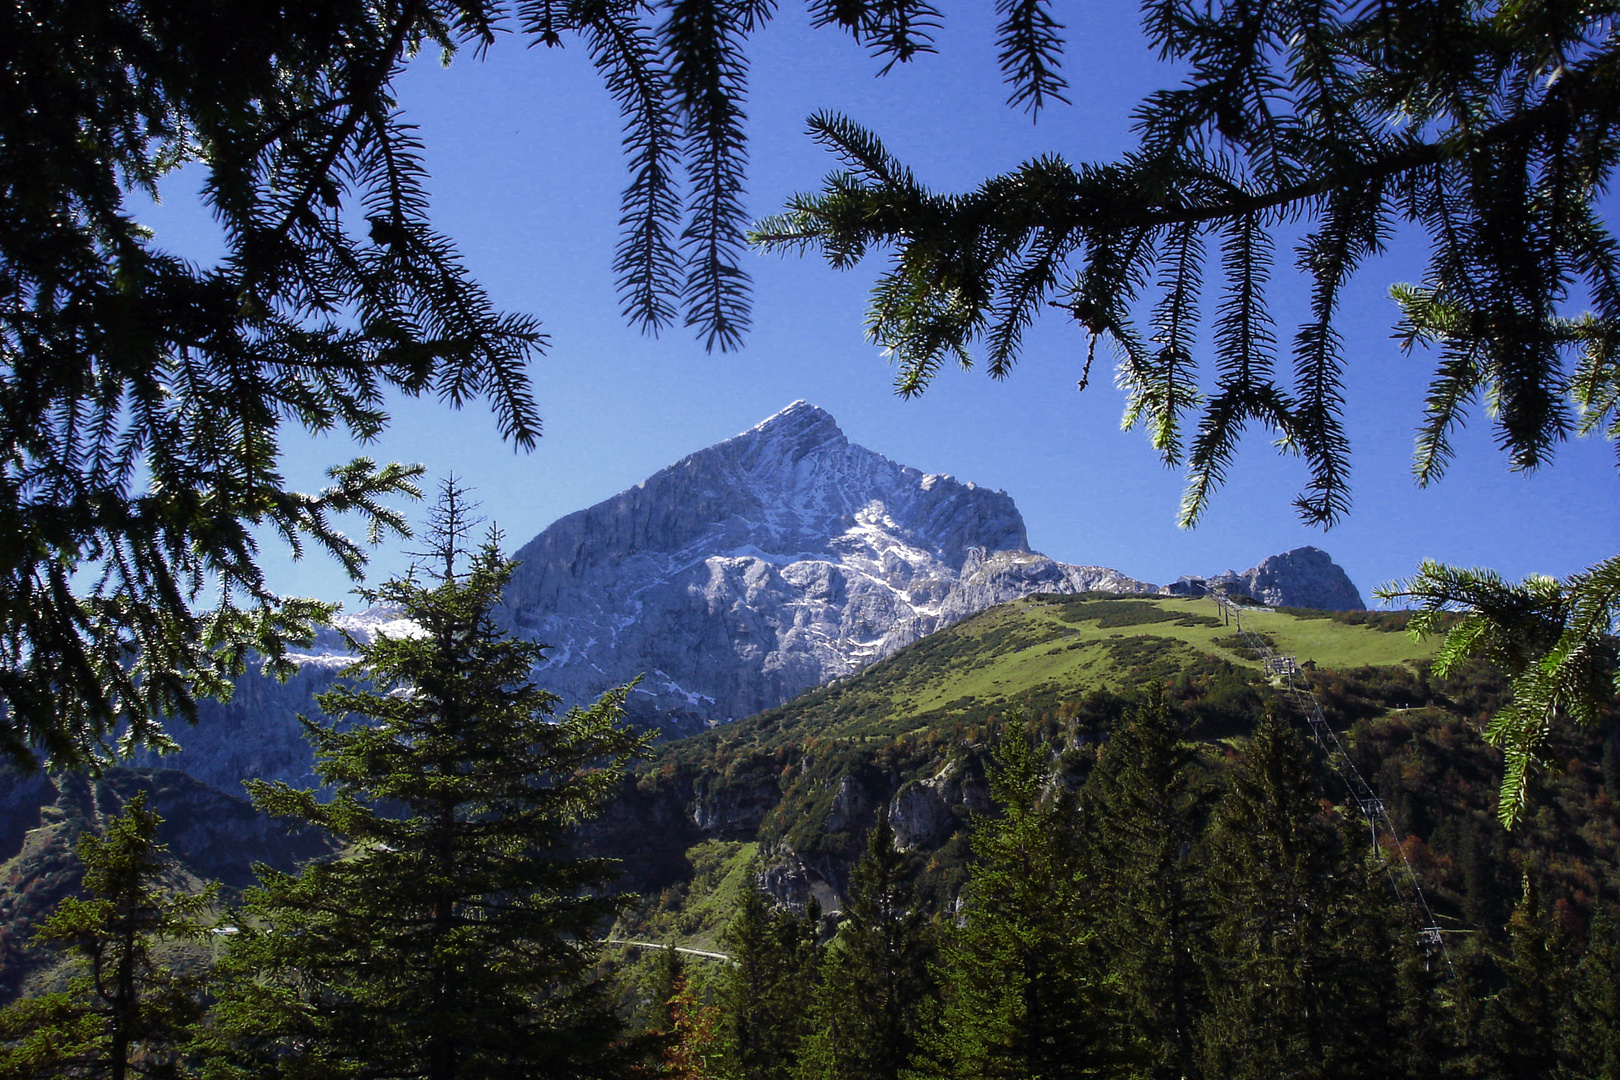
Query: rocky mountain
point(256, 734)
point(791, 792)
point(786, 798)
point(1306, 577)
point(749, 572)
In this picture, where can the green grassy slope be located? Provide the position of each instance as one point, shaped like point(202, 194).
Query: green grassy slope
point(1042, 650)
point(1091, 641)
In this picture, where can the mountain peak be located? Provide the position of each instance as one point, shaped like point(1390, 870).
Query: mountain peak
point(800, 414)
point(801, 425)
point(755, 569)
point(1305, 577)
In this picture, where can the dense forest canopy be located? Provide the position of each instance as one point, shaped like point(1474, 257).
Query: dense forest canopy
point(1153, 888)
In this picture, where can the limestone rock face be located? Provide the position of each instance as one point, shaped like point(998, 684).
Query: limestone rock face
point(991, 578)
point(924, 813)
point(765, 565)
point(256, 734)
point(851, 807)
point(1306, 577)
point(736, 812)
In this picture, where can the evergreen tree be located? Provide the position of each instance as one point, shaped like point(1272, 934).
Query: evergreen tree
point(1283, 116)
point(1522, 1021)
point(766, 989)
point(1610, 766)
point(1590, 1035)
point(659, 985)
point(1022, 1000)
point(1426, 1005)
point(1143, 810)
point(455, 939)
point(1303, 961)
point(876, 986)
point(128, 1016)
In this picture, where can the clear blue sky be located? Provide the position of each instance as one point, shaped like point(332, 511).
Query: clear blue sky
point(524, 152)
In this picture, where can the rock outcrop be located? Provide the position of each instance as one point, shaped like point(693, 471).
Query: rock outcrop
point(923, 813)
point(1306, 577)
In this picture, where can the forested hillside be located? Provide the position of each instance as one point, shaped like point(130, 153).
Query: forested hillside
point(1158, 877)
point(911, 732)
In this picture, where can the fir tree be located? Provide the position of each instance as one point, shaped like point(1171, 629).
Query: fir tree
point(1426, 1005)
point(456, 939)
point(1284, 115)
point(1143, 813)
point(1610, 766)
point(1590, 1035)
point(1302, 962)
point(128, 1016)
point(659, 985)
point(1022, 999)
point(766, 989)
point(876, 986)
point(1523, 1019)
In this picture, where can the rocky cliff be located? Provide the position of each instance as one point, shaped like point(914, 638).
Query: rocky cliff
point(257, 734)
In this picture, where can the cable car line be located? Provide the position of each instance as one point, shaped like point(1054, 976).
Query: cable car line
point(1366, 799)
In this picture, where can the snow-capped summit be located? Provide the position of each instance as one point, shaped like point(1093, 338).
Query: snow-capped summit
point(330, 648)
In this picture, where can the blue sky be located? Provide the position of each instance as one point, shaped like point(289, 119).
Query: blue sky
point(523, 147)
